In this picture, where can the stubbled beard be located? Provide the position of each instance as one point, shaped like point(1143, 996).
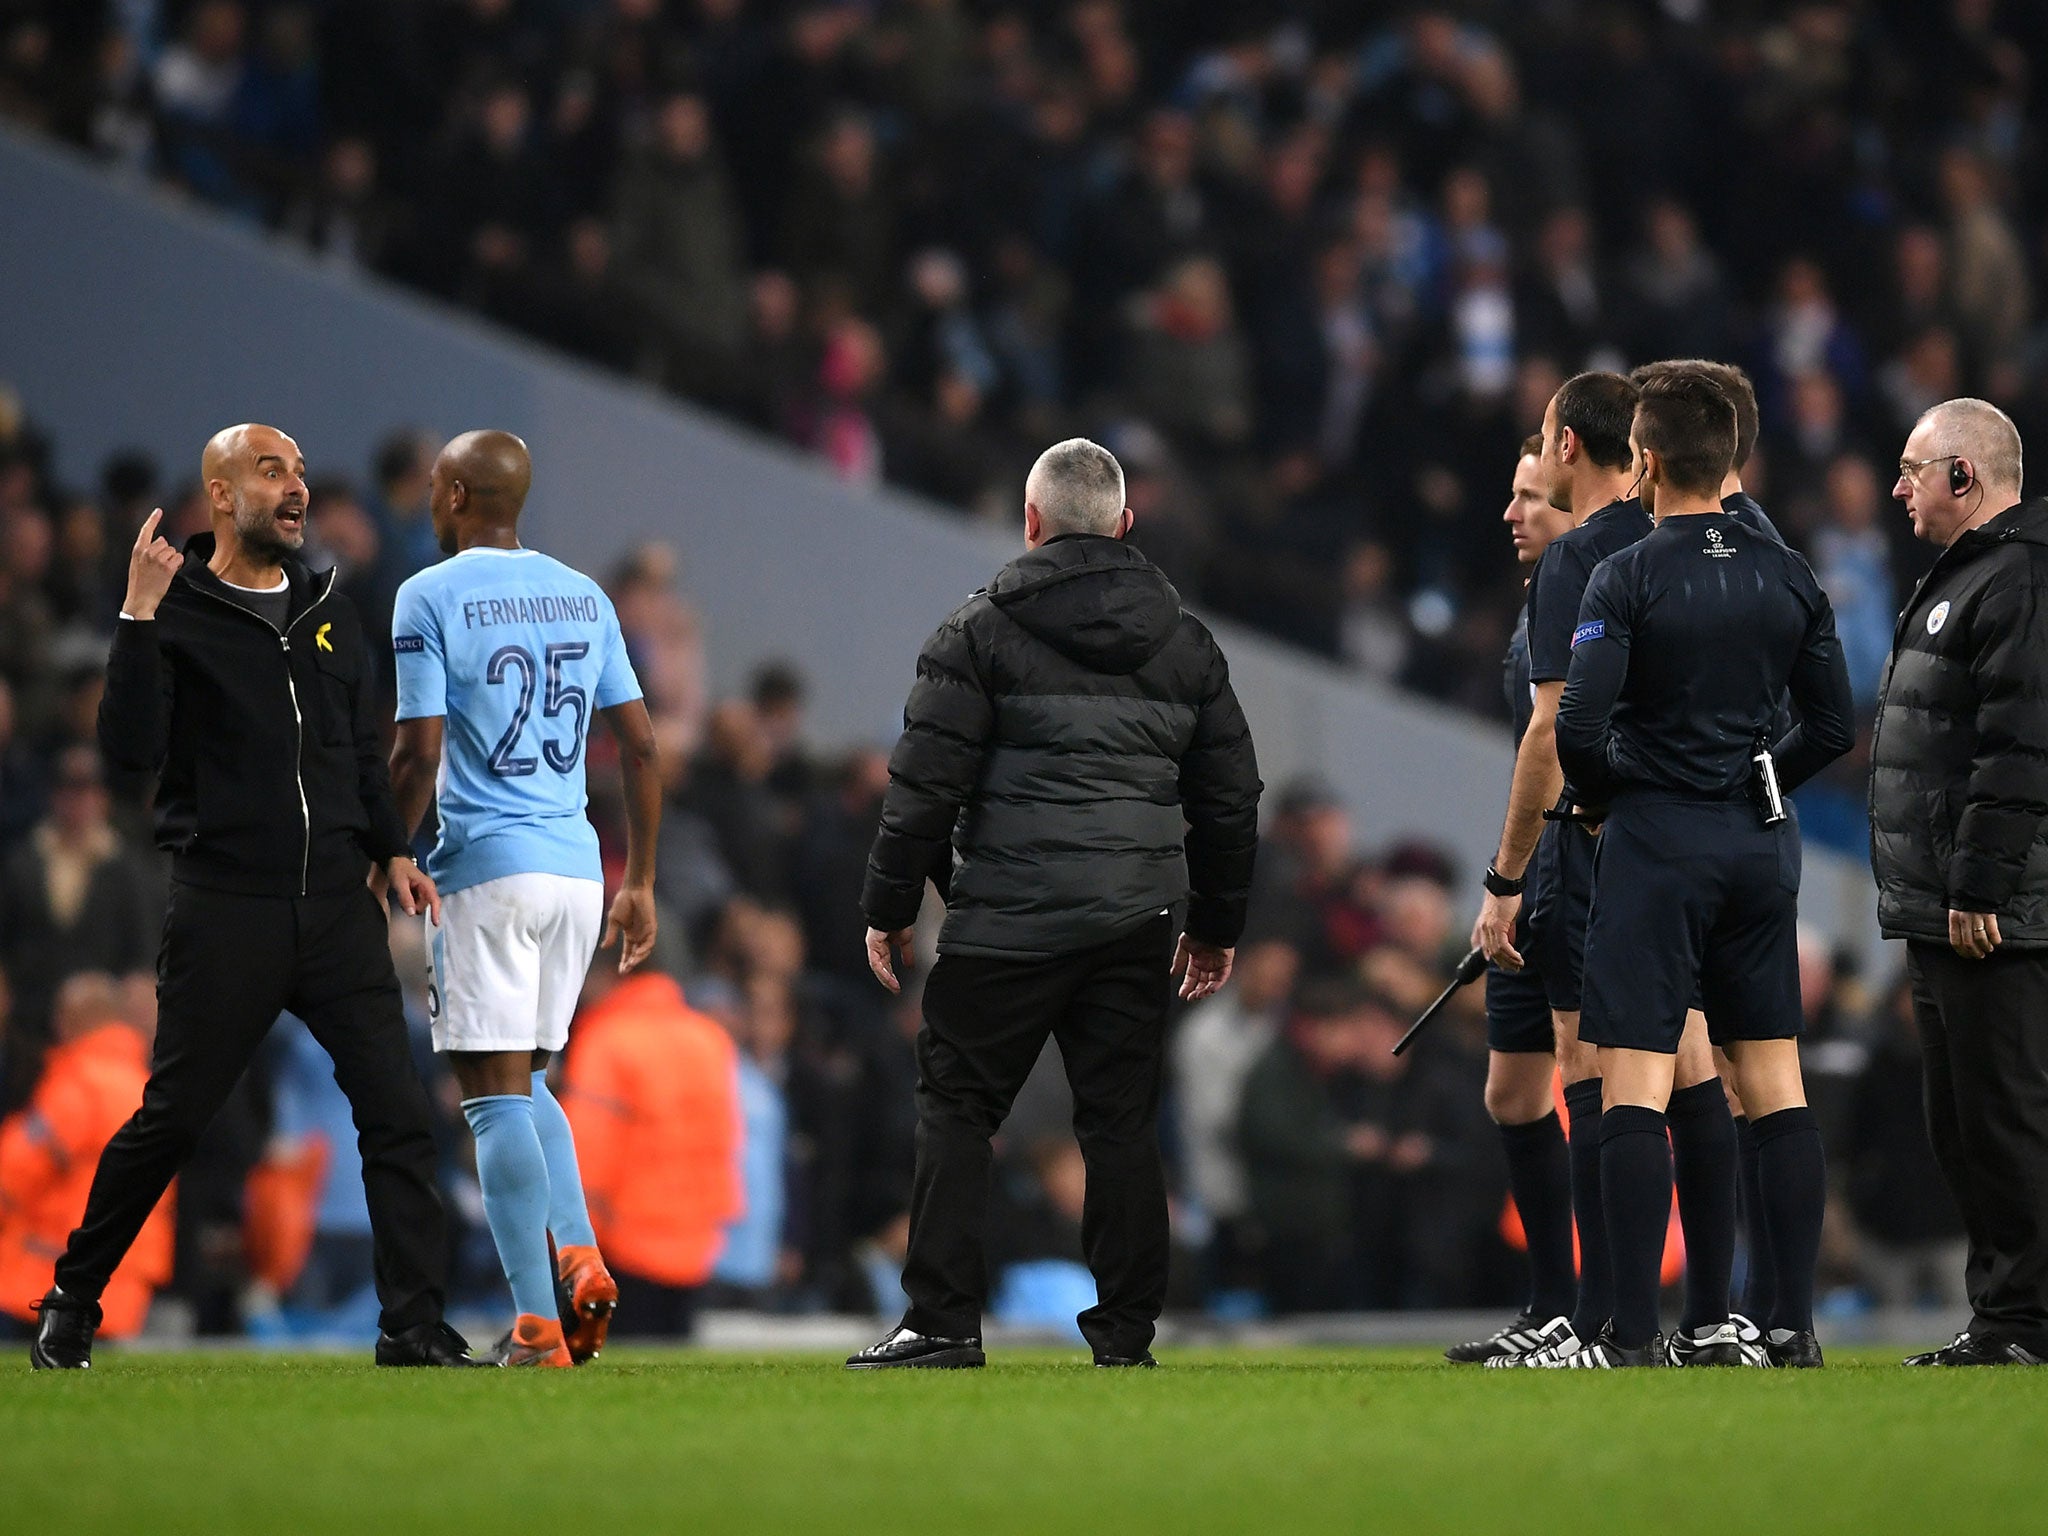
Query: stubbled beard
point(260, 535)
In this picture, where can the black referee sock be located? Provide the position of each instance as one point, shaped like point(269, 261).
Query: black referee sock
point(1793, 1172)
point(1635, 1188)
point(1595, 1304)
point(1704, 1160)
point(1540, 1179)
point(1760, 1288)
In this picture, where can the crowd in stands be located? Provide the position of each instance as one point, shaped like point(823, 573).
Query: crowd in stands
point(1310, 269)
point(743, 1107)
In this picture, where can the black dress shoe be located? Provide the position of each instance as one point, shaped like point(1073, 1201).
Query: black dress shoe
point(1975, 1349)
point(905, 1348)
point(1143, 1359)
point(63, 1340)
point(425, 1344)
point(1787, 1350)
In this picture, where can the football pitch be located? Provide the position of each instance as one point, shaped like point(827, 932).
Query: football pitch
point(1338, 1440)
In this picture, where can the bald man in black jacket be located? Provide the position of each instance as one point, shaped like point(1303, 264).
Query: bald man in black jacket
point(1073, 766)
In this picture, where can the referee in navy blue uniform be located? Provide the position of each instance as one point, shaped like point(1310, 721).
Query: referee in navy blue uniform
point(1687, 644)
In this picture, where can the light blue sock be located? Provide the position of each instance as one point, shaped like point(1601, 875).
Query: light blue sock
point(514, 1173)
point(568, 1216)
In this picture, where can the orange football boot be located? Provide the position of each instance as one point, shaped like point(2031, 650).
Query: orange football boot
point(535, 1341)
point(589, 1295)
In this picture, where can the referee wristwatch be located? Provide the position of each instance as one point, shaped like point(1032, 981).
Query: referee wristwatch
point(1498, 884)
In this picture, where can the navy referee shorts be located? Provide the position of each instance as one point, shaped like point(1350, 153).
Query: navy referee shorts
point(1558, 897)
point(1518, 1002)
point(1694, 903)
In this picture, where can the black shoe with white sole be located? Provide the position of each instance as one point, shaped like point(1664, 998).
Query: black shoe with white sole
point(1142, 1360)
point(1720, 1344)
point(1555, 1346)
point(905, 1348)
point(1603, 1354)
point(1524, 1335)
point(64, 1330)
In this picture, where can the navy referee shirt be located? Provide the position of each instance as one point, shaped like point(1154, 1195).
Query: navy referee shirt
point(1686, 644)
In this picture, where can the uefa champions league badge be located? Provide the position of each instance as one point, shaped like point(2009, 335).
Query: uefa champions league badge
point(1937, 616)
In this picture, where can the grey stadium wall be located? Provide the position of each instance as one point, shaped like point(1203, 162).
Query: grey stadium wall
point(130, 318)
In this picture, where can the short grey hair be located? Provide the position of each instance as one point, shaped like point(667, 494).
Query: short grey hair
point(1078, 487)
point(1979, 431)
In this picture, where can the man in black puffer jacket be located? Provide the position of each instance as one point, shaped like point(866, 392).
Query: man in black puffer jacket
point(1958, 813)
point(1073, 765)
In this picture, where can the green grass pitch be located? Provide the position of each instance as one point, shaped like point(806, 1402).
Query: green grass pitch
point(1343, 1440)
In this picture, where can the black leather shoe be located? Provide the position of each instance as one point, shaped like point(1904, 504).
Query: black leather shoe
point(1974, 1349)
point(905, 1348)
point(425, 1344)
point(1142, 1359)
point(63, 1340)
point(1792, 1351)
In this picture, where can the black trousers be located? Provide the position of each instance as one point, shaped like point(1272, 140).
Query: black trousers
point(985, 1025)
point(228, 966)
point(1984, 1034)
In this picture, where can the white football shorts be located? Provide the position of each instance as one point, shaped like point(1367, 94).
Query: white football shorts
point(506, 966)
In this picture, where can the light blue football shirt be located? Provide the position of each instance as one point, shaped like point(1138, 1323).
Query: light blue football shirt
point(515, 651)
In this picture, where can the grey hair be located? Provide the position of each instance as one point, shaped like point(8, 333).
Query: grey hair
point(1078, 487)
point(1979, 431)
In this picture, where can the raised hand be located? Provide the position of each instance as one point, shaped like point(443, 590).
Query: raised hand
point(151, 565)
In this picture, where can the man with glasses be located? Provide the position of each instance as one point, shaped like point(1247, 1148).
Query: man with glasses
point(1958, 797)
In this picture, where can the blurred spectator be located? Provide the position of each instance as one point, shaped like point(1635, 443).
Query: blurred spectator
point(839, 224)
point(680, 246)
point(313, 1142)
point(197, 79)
point(1298, 1154)
point(72, 899)
point(405, 528)
point(1677, 299)
point(1189, 370)
point(750, 1261)
point(829, 864)
point(345, 214)
point(49, 1149)
point(1912, 1249)
point(1215, 1047)
point(22, 781)
point(1988, 280)
point(729, 787)
point(651, 1088)
point(1852, 559)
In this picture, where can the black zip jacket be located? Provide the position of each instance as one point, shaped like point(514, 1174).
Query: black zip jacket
point(1073, 737)
point(1959, 754)
point(272, 777)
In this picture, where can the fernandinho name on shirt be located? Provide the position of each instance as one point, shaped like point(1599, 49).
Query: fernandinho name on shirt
point(482, 613)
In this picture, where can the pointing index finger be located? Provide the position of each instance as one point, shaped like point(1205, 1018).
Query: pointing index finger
point(148, 532)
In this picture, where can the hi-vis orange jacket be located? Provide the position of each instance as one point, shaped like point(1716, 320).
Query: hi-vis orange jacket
point(652, 1091)
point(48, 1151)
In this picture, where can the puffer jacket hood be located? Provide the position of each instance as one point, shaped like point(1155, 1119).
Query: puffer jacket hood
point(1959, 752)
point(1095, 600)
point(1073, 764)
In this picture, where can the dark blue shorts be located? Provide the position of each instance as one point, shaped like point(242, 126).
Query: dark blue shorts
point(1694, 902)
point(1558, 897)
point(1518, 1002)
